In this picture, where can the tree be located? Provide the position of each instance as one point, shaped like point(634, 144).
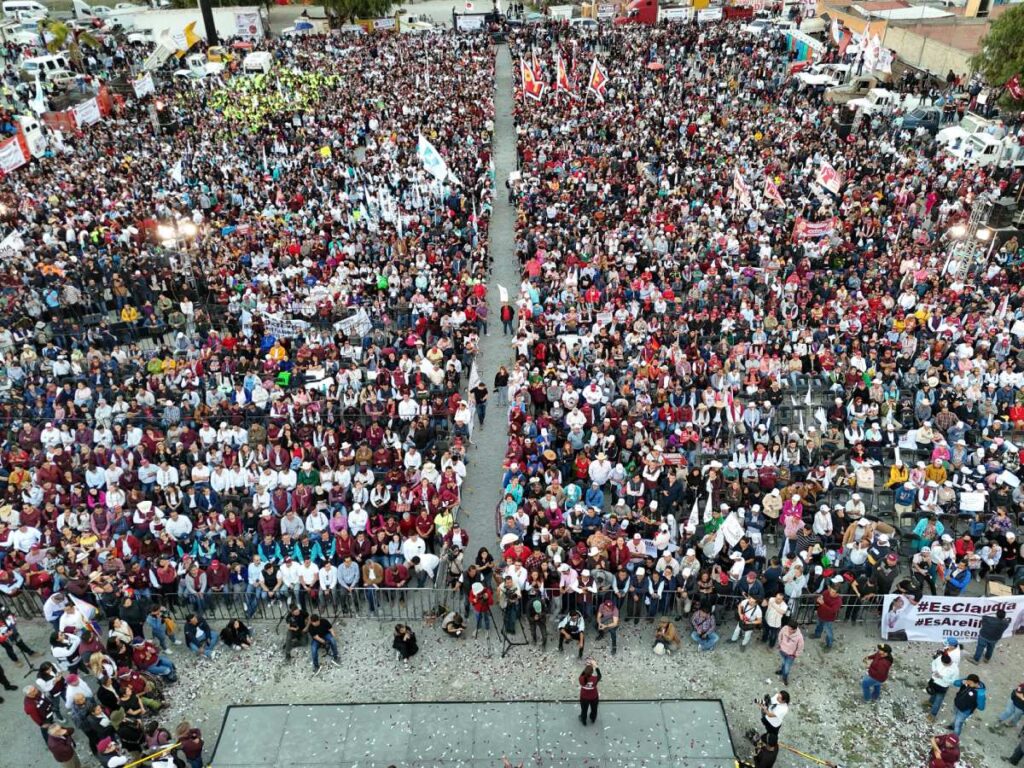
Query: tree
point(56, 34)
point(350, 10)
point(1002, 49)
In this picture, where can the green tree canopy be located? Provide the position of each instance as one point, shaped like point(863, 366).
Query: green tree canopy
point(349, 10)
point(1002, 49)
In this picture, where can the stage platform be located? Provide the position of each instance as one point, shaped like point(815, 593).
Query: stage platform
point(676, 733)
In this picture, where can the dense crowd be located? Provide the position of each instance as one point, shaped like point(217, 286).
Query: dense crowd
point(233, 350)
point(738, 395)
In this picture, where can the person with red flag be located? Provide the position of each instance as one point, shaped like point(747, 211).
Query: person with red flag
point(533, 86)
point(598, 80)
point(562, 82)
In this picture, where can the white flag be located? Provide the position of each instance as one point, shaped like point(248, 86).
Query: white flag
point(432, 161)
point(694, 515)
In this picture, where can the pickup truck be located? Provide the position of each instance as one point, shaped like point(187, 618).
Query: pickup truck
point(981, 149)
point(882, 101)
point(970, 124)
point(855, 89)
point(821, 76)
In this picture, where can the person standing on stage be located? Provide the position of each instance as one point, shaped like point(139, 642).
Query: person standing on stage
point(589, 696)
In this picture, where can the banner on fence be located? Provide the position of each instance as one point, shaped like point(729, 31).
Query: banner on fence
point(804, 229)
point(358, 324)
point(144, 85)
point(247, 24)
point(281, 327)
point(87, 113)
point(12, 155)
point(933, 619)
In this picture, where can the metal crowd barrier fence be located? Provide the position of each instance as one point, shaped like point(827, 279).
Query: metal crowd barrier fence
point(431, 603)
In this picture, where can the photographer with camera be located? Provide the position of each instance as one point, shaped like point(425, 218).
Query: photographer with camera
point(162, 626)
point(773, 712)
point(510, 598)
point(10, 637)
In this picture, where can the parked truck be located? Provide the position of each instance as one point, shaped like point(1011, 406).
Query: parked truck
point(882, 101)
point(650, 12)
point(981, 149)
point(970, 124)
point(855, 89)
point(233, 21)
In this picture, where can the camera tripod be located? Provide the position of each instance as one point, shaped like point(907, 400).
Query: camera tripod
point(507, 643)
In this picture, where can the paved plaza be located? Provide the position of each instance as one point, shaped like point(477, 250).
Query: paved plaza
point(682, 734)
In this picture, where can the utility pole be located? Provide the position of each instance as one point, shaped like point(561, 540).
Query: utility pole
point(208, 23)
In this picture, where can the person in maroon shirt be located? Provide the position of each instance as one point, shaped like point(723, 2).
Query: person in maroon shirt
point(828, 605)
point(425, 528)
point(879, 663)
point(62, 746)
point(589, 695)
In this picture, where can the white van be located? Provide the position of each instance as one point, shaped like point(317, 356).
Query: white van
point(26, 8)
point(55, 67)
point(33, 131)
point(258, 61)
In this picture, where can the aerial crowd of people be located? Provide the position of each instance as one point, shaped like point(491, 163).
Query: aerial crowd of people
point(239, 370)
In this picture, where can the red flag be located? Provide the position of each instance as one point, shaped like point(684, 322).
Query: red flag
point(1016, 89)
point(771, 191)
point(598, 80)
point(562, 82)
point(533, 88)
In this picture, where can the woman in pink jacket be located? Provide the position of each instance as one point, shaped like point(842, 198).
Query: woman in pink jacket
point(791, 645)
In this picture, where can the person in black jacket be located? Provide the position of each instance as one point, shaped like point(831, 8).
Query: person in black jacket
point(199, 637)
point(989, 633)
point(237, 635)
point(404, 642)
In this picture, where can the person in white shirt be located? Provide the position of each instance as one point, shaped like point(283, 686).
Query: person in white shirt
point(600, 469)
point(575, 418)
point(413, 546)
point(357, 519)
point(147, 473)
point(287, 478)
point(178, 526)
point(261, 498)
point(220, 479)
point(408, 409)
point(316, 521)
point(50, 437)
point(424, 567)
point(115, 497)
point(291, 579)
point(71, 619)
point(773, 712)
point(309, 575)
point(95, 477)
point(413, 459)
point(166, 475)
point(328, 578)
point(53, 608)
point(22, 539)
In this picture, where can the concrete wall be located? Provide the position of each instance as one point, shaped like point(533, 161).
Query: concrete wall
point(924, 53)
point(853, 22)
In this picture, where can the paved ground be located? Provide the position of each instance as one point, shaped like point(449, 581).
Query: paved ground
point(828, 718)
point(485, 460)
point(676, 734)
